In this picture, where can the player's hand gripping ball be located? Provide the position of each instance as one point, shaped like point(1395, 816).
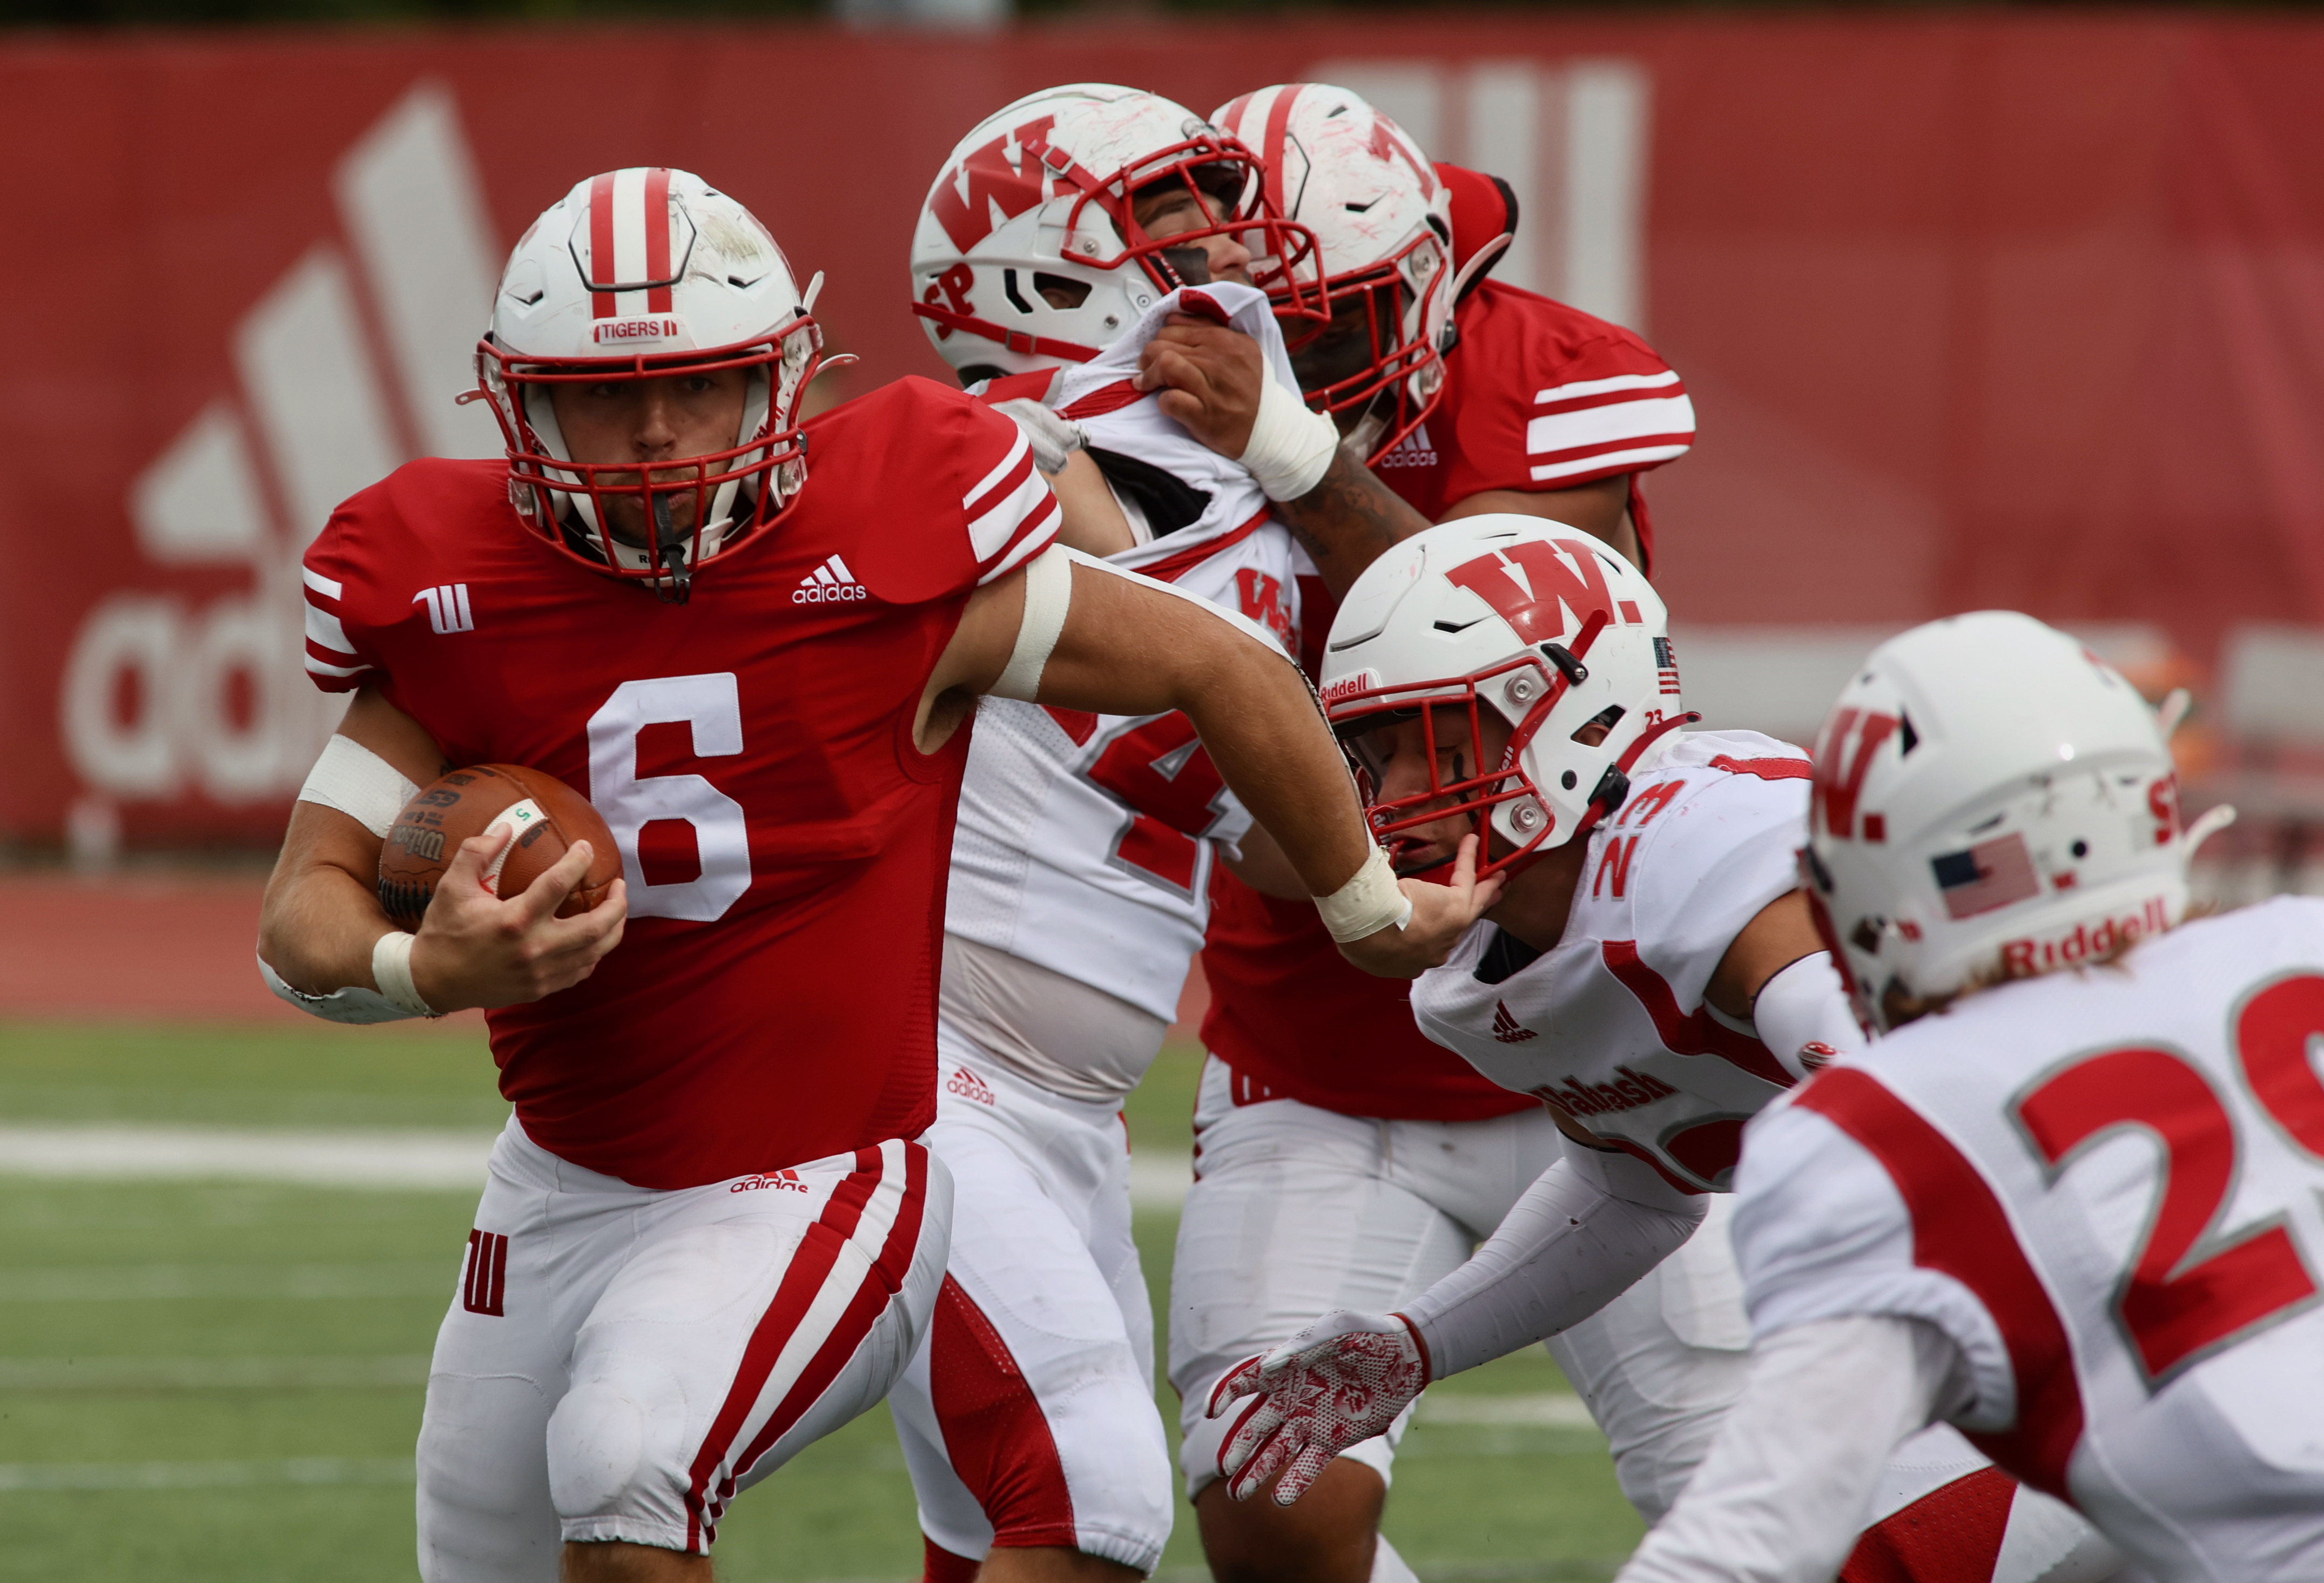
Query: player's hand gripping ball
point(545, 816)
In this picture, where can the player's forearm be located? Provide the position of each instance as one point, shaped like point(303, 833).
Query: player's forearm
point(1569, 1247)
point(1791, 1478)
point(319, 922)
point(1347, 521)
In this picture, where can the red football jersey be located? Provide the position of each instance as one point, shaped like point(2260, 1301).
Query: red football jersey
point(1539, 396)
point(773, 1000)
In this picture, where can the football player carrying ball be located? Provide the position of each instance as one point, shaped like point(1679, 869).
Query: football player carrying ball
point(708, 1236)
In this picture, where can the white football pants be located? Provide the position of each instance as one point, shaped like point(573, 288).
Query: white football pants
point(619, 1361)
point(1027, 1416)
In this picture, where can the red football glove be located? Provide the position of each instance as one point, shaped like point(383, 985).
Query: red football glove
point(1343, 1379)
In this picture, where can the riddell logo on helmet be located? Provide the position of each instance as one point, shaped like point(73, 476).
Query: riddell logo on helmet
point(2023, 959)
point(623, 332)
point(1347, 686)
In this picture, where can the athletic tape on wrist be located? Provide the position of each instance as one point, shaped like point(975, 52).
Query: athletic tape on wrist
point(358, 783)
point(1366, 904)
point(390, 969)
point(1049, 592)
point(1290, 447)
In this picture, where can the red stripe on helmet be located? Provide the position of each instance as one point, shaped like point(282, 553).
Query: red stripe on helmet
point(1270, 145)
point(601, 243)
point(1231, 117)
point(658, 238)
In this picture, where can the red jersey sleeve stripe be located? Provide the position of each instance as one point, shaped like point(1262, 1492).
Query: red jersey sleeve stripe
point(1960, 1229)
point(1036, 535)
point(996, 531)
point(1019, 454)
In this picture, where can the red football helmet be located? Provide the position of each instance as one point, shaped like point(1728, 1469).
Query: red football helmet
point(642, 274)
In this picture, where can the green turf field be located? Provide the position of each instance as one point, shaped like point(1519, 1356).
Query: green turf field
point(218, 1380)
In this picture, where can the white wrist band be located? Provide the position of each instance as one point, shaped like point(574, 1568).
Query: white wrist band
point(1290, 447)
point(391, 969)
point(1366, 904)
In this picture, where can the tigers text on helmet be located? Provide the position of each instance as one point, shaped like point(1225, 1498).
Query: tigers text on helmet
point(1384, 221)
point(644, 275)
point(1547, 628)
point(1028, 253)
point(1991, 801)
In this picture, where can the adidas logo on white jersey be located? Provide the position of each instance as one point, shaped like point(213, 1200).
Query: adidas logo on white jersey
point(831, 583)
point(1507, 1029)
point(968, 1086)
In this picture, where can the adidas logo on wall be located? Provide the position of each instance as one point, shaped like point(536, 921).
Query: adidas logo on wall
point(344, 367)
point(831, 583)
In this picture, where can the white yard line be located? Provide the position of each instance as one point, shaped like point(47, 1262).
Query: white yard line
point(55, 1476)
point(210, 1374)
point(1545, 1410)
point(411, 1160)
point(235, 1282)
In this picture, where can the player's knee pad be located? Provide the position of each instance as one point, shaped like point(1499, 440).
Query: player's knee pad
point(616, 1453)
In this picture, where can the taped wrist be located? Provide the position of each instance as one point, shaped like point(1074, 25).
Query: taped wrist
point(358, 783)
point(1567, 1249)
point(350, 1005)
point(390, 969)
point(1369, 902)
point(1290, 447)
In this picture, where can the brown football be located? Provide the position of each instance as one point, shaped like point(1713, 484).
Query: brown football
point(546, 815)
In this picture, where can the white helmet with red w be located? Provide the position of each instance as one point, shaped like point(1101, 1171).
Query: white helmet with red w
point(1029, 254)
point(1991, 801)
point(1540, 623)
point(642, 274)
point(1383, 218)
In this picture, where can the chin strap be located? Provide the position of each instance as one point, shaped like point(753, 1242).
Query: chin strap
point(675, 585)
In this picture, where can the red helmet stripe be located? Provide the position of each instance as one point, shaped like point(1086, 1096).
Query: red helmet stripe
point(1270, 146)
point(1230, 119)
point(657, 227)
point(601, 243)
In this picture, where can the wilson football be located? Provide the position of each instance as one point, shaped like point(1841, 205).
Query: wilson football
point(547, 815)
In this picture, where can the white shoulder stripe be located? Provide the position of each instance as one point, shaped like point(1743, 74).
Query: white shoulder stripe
point(321, 583)
point(1598, 426)
point(1628, 461)
point(1599, 387)
point(988, 534)
point(325, 631)
point(1008, 465)
point(316, 668)
point(1031, 544)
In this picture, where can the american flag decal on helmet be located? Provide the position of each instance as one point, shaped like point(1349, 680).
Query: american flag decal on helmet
point(635, 245)
point(1665, 666)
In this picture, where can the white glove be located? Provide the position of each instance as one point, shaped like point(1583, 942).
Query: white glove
point(1343, 1379)
point(1053, 439)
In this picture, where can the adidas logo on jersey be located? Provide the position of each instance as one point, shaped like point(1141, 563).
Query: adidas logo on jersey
point(968, 1086)
point(1507, 1029)
point(1634, 1090)
point(784, 1181)
point(1412, 451)
point(831, 584)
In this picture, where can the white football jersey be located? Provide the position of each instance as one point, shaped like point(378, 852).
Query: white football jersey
point(2108, 1188)
point(1085, 842)
point(1611, 1024)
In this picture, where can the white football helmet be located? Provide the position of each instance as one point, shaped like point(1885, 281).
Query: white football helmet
point(1383, 218)
point(1539, 622)
point(1991, 801)
point(639, 275)
point(1027, 254)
